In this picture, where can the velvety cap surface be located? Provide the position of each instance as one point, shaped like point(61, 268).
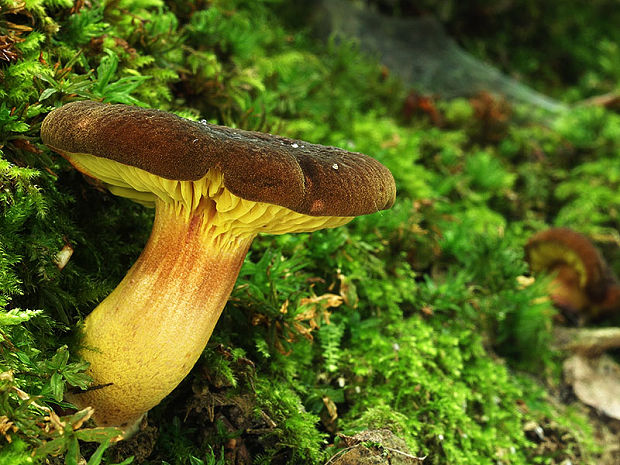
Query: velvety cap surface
point(307, 178)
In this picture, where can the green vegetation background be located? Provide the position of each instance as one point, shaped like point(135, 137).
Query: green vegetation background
point(411, 319)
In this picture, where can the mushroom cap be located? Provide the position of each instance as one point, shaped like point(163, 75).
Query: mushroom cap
point(557, 248)
point(306, 178)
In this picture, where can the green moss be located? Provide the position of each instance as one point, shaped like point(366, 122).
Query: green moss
point(568, 52)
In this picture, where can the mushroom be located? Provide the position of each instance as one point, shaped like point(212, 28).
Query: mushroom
point(583, 285)
point(214, 189)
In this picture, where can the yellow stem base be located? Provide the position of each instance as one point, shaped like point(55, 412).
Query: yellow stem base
point(144, 338)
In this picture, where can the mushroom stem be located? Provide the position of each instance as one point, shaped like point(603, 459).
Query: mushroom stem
point(175, 291)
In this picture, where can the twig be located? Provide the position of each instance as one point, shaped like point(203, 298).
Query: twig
point(587, 341)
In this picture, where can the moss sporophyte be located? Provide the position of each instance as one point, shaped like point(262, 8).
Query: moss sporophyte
point(214, 189)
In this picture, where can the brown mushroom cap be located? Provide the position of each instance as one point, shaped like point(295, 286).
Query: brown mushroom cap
point(558, 248)
point(307, 178)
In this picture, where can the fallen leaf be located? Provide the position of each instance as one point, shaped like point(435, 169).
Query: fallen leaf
point(596, 382)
